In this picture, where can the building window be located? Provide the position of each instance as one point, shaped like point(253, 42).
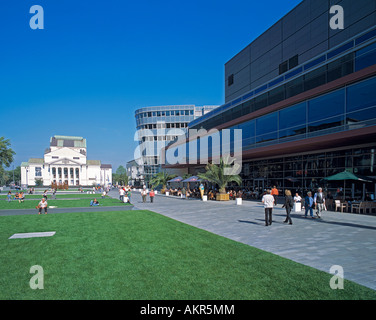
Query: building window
point(55, 157)
point(283, 67)
point(38, 171)
point(230, 80)
point(293, 62)
point(289, 64)
point(76, 158)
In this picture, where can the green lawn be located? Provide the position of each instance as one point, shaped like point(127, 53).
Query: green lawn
point(58, 196)
point(144, 255)
point(29, 204)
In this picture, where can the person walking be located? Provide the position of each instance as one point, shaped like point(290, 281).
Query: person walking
point(289, 204)
point(319, 200)
point(268, 201)
point(129, 195)
point(121, 194)
point(151, 195)
point(9, 196)
point(308, 203)
point(144, 193)
point(275, 194)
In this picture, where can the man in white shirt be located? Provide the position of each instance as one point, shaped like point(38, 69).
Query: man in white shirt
point(121, 193)
point(268, 201)
point(319, 200)
point(144, 193)
point(42, 205)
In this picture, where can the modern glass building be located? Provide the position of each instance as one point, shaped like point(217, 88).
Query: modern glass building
point(304, 96)
point(159, 126)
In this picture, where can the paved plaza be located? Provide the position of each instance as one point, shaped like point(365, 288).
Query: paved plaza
point(344, 239)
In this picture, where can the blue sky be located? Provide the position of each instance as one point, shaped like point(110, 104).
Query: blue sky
point(96, 62)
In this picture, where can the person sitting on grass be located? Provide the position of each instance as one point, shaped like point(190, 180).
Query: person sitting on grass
point(16, 196)
point(94, 202)
point(42, 205)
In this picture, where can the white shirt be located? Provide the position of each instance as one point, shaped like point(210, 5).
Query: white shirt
point(43, 204)
point(297, 198)
point(121, 192)
point(268, 201)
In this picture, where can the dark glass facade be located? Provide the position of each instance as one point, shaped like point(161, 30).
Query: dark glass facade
point(307, 172)
point(345, 65)
point(327, 97)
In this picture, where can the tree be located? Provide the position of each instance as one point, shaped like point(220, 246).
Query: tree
point(120, 176)
point(216, 174)
point(161, 178)
point(6, 158)
point(6, 153)
point(39, 182)
point(121, 170)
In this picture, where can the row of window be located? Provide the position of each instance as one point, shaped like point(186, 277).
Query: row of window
point(353, 106)
point(159, 138)
point(163, 125)
point(350, 105)
point(339, 68)
point(169, 113)
point(308, 171)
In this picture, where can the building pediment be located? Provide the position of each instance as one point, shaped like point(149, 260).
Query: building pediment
point(67, 152)
point(64, 161)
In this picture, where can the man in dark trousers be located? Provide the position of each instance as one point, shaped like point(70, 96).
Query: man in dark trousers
point(268, 201)
point(319, 200)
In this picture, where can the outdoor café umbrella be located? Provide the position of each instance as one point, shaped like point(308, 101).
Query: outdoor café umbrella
point(347, 175)
point(177, 179)
point(192, 179)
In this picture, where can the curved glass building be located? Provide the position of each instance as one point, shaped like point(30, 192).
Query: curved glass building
point(158, 127)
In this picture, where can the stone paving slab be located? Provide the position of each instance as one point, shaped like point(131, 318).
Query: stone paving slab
point(32, 235)
point(344, 239)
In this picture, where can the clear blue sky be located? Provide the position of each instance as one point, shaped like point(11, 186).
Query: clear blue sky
point(96, 62)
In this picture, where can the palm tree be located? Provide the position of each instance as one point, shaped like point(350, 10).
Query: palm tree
point(161, 178)
point(217, 174)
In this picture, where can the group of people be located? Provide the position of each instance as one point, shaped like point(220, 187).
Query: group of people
point(18, 196)
point(310, 203)
point(125, 193)
point(144, 194)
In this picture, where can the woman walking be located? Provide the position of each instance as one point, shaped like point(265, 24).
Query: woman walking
point(289, 204)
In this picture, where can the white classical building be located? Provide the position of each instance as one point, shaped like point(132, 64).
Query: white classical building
point(65, 162)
